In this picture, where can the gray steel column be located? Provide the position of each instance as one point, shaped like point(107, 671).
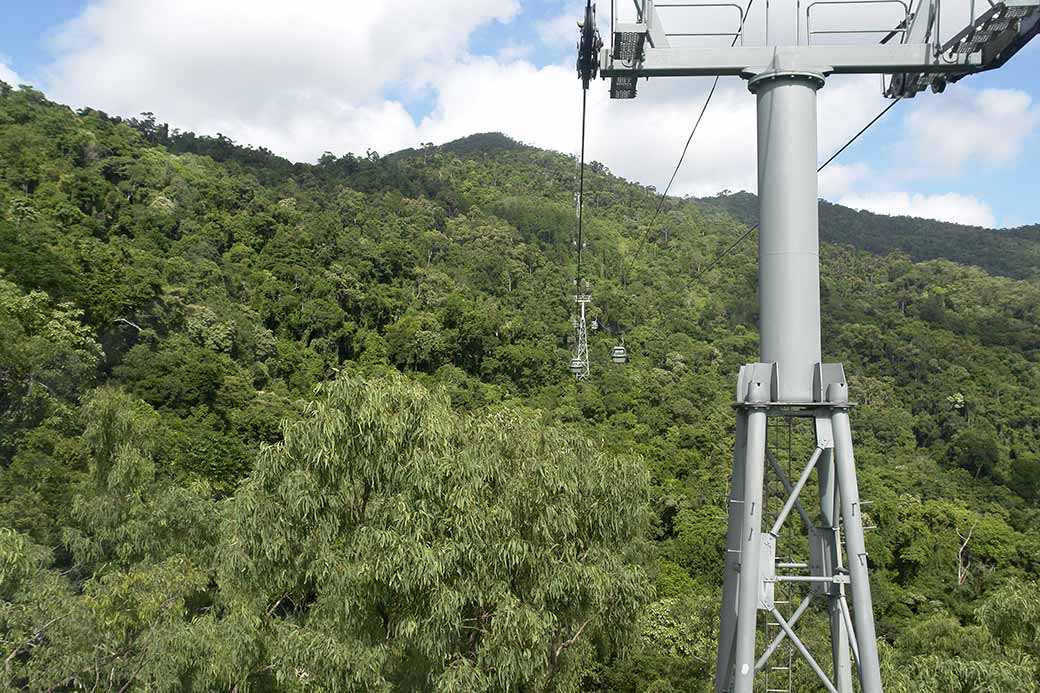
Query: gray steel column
point(751, 540)
point(829, 511)
point(788, 246)
point(731, 576)
point(855, 547)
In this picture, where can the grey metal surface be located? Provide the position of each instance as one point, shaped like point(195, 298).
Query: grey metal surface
point(737, 34)
point(755, 373)
point(623, 87)
point(789, 489)
point(821, 552)
point(993, 37)
point(804, 652)
point(627, 49)
point(753, 565)
point(904, 20)
point(829, 514)
point(789, 266)
point(823, 375)
point(767, 571)
point(790, 380)
point(750, 540)
point(793, 498)
point(654, 28)
point(849, 630)
point(580, 361)
point(855, 546)
point(790, 374)
point(731, 576)
point(921, 58)
point(782, 635)
point(741, 60)
point(628, 44)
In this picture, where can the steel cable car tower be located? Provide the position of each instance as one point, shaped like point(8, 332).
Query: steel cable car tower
point(791, 381)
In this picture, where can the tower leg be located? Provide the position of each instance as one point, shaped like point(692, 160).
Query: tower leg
point(829, 511)
point(749, 584)
point(731, 576)
point(750, 552)
point(855, 547)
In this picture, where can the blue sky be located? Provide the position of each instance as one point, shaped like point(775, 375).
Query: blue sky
point(320, 75)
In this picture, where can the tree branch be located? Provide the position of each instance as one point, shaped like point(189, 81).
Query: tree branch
point(127, 322)
point(554, 663)
point(573, 639)
point(962, 569)
point(30, 641)
point(147, 641)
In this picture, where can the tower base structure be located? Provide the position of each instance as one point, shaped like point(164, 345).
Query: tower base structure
point(833, 560)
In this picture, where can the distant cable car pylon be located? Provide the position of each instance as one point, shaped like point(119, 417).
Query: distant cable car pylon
point(580, 360)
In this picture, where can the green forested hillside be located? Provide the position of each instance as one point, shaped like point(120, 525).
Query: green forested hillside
point(272, 426)
point(1009, 252)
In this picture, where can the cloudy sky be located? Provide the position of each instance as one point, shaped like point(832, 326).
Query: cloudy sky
point(308, 76)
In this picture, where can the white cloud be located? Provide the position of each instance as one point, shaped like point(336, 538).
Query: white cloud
point(964, 127)
point(643, 138)
point(560, 31)
point(517, 98)
point(846, 104)
point(961, 209)
point(296, 72)
point(317, 126)
point(8, 75)
point(514, 50)
point(840, 179)
point(639, 139)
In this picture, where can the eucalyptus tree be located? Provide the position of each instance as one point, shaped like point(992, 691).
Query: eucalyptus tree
point(390, 543)
point(112, 608)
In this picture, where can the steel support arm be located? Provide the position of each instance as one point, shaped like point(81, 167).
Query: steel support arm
point(751, 60)
point(655, 29)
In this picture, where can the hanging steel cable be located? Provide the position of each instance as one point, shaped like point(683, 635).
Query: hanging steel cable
point(682, 156)
point(581, 189)
point(589, 45)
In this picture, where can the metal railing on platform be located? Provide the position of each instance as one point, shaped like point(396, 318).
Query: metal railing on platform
point(901, 27)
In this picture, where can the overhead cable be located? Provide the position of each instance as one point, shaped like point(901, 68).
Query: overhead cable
point(693, 131)
point(581, 190)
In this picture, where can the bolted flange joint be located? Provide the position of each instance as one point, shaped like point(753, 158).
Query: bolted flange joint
point(773, 75)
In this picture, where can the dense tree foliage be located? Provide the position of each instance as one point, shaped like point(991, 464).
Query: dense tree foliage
point(1009, 252)
point(272, 426)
